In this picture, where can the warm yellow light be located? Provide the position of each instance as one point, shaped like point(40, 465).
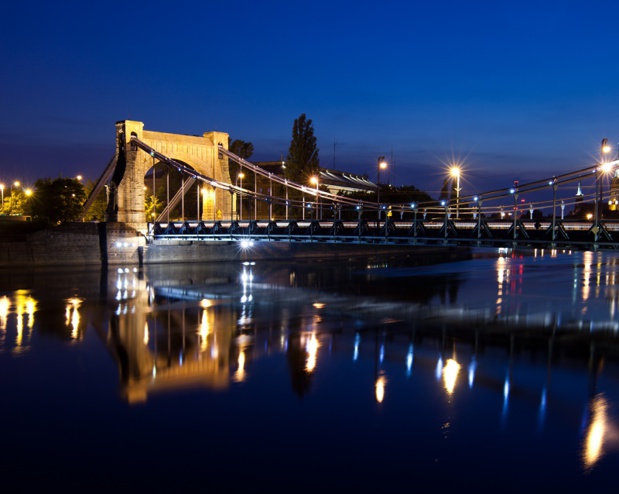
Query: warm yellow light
point(593, 445)
point(5, 305)
point(606, 149)
point(204, 330)
point(606, 167)
point(379, 388)
point(16, 183)
point(241, 175)
point(382, 165)
point(454, 171)
point(314, 181)
point(450, 373)
point(28, 192)
point(311, 347)
point(79, 177)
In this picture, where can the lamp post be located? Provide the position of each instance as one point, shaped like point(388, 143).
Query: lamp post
point(240, 179)
point(514, 194)
point(14, 184)
point(314, 181)
point(445, 204)
point(198, 204)
point(455, 173)
point(382, 165)
point(553, 184)
point(604, 151)
point(478, 200)
point(2, 191)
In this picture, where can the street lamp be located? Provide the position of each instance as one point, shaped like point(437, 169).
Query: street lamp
point(240, 177)
point(604, 167)
point(455, 173)
point(382, 165)
point(514, 193)
point(314, 181)
point(14, 184)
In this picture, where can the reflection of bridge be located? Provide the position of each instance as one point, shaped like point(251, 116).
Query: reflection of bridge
point(279, 209)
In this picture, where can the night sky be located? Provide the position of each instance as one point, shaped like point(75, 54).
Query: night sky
point(514, 90)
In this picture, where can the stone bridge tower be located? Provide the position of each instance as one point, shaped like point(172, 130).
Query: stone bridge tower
point(126, 197)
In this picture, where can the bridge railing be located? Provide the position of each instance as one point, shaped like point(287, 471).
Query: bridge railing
point(528, 233)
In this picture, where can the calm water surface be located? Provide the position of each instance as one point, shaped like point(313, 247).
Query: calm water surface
point(498, 374)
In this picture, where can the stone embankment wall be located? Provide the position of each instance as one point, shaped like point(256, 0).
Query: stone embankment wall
point(83, 244)
point(72, 244)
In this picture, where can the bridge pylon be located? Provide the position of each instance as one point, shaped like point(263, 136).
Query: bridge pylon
point(125, 176)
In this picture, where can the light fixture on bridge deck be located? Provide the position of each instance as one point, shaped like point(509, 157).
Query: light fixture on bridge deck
point(455, 172)
point(382, 165)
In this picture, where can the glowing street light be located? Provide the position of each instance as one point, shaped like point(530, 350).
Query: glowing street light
point(454, 171)
point(314, 181)
point(240, 177)
point(603, 169)
point(382, 165)
point(13, 185)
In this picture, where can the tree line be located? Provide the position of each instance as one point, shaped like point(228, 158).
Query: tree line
point(61, 200)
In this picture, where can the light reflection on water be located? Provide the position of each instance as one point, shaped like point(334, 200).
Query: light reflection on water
point(505, 357)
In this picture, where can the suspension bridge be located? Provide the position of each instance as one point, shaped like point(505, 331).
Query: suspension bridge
point(285, 211)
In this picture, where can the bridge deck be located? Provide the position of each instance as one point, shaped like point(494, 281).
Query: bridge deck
point(579, 235)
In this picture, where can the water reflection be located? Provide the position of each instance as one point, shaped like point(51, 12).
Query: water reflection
point(22, 308)
point(213, 327)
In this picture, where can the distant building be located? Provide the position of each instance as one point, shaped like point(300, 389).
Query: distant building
point(334, 180)
point(613, 198)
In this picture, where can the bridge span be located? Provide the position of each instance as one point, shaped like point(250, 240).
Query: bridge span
point(578, 209)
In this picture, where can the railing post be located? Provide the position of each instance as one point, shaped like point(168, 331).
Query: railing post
point(479, 201)
point(444, 203)
point(414, 206)
point(514, 213)
point(554, 209)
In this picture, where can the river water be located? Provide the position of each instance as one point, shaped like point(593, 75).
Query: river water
point(498, 373)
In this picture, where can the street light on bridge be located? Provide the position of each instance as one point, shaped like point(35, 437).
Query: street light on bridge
point(240, 177)
point(604, 168)
point(382, 165)
point(314, 181)
point(455, 172)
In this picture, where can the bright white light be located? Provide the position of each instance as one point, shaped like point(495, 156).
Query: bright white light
point(246, 244)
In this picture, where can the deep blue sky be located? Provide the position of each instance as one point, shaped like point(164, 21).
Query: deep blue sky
point(518, 90)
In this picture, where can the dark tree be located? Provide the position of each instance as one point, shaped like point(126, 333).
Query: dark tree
point(243, 150)
point(302, 161)
point(96, 212)
point(57, 201)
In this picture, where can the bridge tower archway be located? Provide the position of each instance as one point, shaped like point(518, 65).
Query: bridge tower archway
point(126, 188)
